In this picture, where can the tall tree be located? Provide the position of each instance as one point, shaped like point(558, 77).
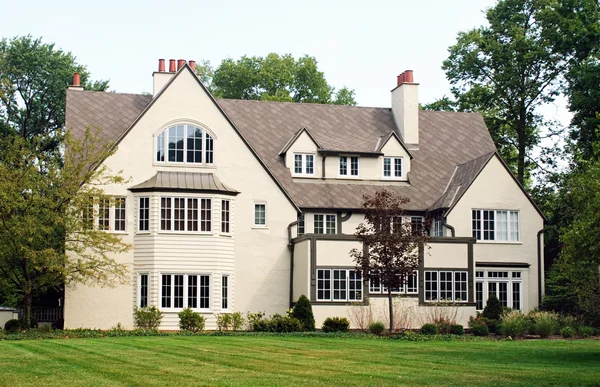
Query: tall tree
point(45, 241)
point(272, 78)
point(507, 70)
point(391, 250)
point(33, 81)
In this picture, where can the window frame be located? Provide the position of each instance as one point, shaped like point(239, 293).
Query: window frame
point(199, 220)
point(139, 290)
point(438, 281)
point(393, 175)
point(258, 225)
point(226, 292)
point(483, 277)
point(324, 226)
point(226, 213)
point(141, 219)
point(346, 280)
point(91, 214)
point(304, 164)
point(479, 223)
point(349, 160)
point(402, 290)
point(185, 292)
point(207, 138)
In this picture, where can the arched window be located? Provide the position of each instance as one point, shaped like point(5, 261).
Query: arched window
point(184, 144)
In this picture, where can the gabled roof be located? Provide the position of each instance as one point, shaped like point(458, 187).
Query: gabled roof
point(184, 181)
point(446, 140)
point(384, 140)
point(295, 137)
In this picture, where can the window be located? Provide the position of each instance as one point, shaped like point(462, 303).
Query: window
point(339, 285)
point(143, 291)
point(353, 170)
point(506, 285)
point(410, 285)
point(225, 205)
point(105, 213)
point(183, 144)
point(301, 225)
point(304, 164)
point(446, 286)
point(437, 229)
point(416, 225)
point(324, 224)
point(144, 214)
point(260, 215)
point(392, 167)
point(496, 225)
point(225, 292)
point(183, 214)
point(180, 291)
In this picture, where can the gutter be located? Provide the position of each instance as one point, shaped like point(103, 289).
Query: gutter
point(540, 263)
point(291, 248)
point(323, 167)
point(449, 227)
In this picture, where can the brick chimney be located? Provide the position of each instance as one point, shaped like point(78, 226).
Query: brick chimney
point(405, 108)
point(76, 82)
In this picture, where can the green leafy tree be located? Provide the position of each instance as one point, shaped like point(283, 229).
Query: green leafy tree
point(33, 81)
point(272, 78)
point(45, 241)
point(392, 247)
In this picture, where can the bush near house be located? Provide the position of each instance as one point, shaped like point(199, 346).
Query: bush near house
point(492, 313)
point(478, 326)
point(12, 326)
point(147, 318)
point(429, 329)
point(443, 325)
point(336, 324)
point(376, 328)
point(191, 321)
point(224, 321)
point(514, 324)
point(544, 323)
point(456, 329)
point(585, 331)
point(567, 332)
point(303, 312)
point(237, 321)
point(277, 323)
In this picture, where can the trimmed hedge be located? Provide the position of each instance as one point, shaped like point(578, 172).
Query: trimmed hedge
point(336, 324)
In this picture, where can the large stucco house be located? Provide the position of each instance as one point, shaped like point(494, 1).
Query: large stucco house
point(236, 205)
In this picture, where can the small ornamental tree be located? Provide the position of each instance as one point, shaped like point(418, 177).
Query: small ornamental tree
point(493, 309)
point(303, 312)
point(391, 246)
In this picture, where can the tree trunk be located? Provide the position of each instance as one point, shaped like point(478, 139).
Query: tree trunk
point(27, 303)
point(521, 142)
point(391, 309)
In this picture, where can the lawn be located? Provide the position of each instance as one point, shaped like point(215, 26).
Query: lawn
point(272, 360)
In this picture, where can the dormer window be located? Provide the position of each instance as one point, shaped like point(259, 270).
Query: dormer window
point(304, 164)
point(392, 167)
point(349, 166)
point(184, 144)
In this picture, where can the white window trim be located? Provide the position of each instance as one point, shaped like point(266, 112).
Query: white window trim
point(349, 174)
point(139, 289)
point(403, 288)
point(331, 286)
point(226, 233)
point(111, 214)
point(496, 241)
point(324, 215)
point(453, 300)
point(137, 218)
point(172, 231)
point(165, 130)
point(262, 226)
point(303, 173)
point(509, 280)
point(185, 292)
point(228, 276)
point(392, 163)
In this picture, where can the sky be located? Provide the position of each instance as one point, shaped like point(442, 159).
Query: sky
point(363, 45)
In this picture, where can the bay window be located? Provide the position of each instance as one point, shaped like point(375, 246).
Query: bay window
point(180, 291)
point(185, 214)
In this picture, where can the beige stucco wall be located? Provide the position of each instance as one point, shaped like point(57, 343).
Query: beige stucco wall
point(446, 255)
point(336, 253)
point(301, 269)
point(257, 258)
point(495, 189)
point(405, 107)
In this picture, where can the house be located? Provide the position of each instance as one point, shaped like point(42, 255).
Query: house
point(237, 205)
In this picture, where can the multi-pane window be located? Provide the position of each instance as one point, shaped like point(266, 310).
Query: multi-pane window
point(349, 166)
point(324, 224)
point(304, 164)
point(183, 144)
point(437, 229)
point(225, 292)
point(446, 286)
point(185, 214)
point(180, 291)
point(301, 225)
point(410, 285)
point(416, 225)
point(506, 285)
point(260, 214)
point(143, 290)
point(225, 216)
point(339, 285)
point(392, 167)
point(496, 225)
point(105, 213)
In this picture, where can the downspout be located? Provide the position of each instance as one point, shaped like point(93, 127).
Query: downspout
point(323, 168)
point(540, 263)
point(291, 248)
point(449, 227)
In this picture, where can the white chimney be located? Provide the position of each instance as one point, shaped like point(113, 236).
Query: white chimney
point(161, 77)
point(405, 108)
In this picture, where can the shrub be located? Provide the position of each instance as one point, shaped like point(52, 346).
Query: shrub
point(237, 321)
point(544, 323)
point(456, 329)
point(377, 328)
point(12, 326)
point(442, 325)
point(224, 321)
point(429, 329)
point(303, 312)
point(583, 331)
point(147, 318)
point(280, 323)
point(336, 324)
point(252, 318)
point(566, 320)
point(478, 326)
point(567, 332)
point(191, 321)
point(493, 308)
point(514, 324)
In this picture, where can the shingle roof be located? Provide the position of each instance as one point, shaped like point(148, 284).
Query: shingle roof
point(446, 140)
point(189, 181)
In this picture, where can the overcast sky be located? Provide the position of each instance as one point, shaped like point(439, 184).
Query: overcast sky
point(359, 44)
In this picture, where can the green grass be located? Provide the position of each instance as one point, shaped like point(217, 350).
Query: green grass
point(261, 361)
